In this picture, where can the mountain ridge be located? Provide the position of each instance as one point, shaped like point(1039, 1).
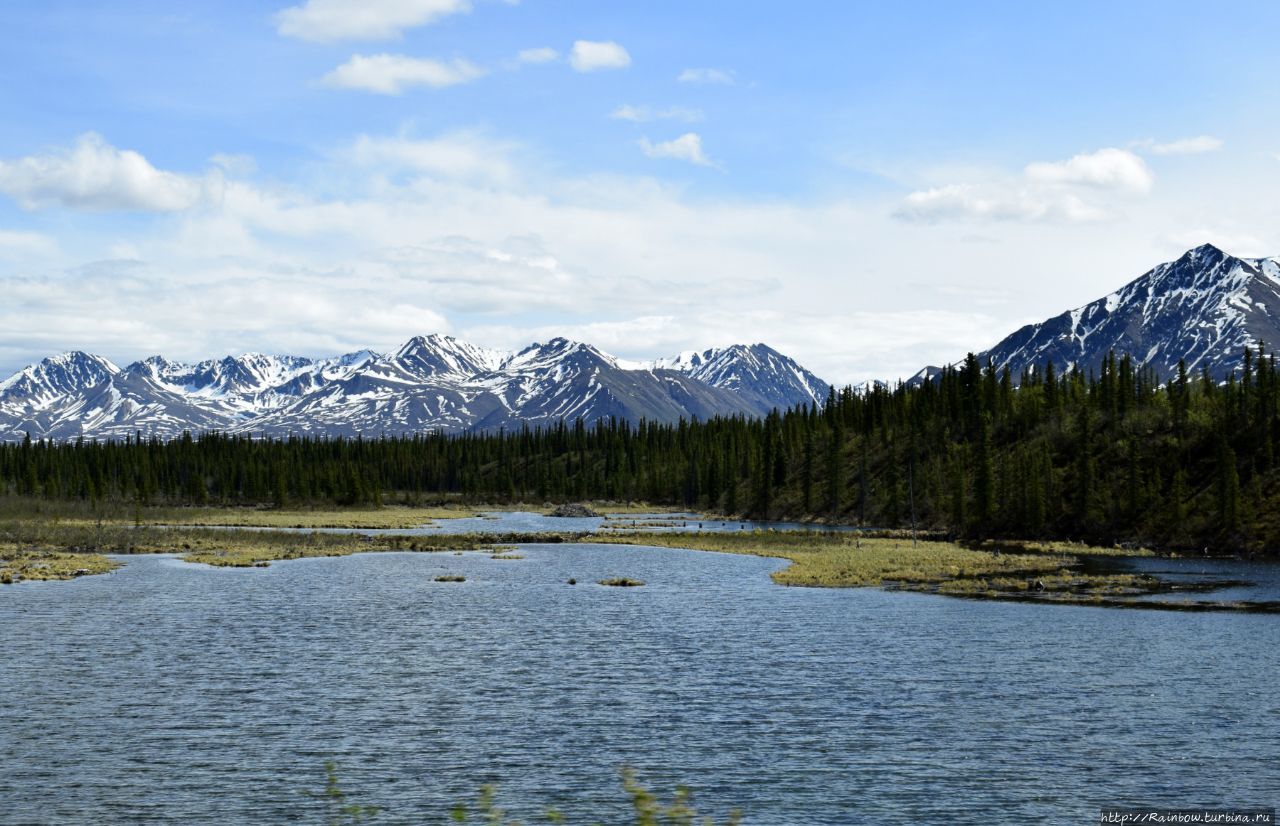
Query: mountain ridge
point(1203, 308)
point(431, 383)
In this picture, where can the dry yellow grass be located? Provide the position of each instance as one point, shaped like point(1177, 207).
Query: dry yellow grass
point(18, 564)
point(382, 518)
point(847, 560)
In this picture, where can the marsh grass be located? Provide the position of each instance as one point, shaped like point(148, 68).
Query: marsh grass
point(622, 582)
point(1063, 582)
point(1058, 547)
point(18, 564)
point(614, 524)
point(50, 536)
point(451, 578)
point(15, 508)
point(612, 508)
point(850, 561)
point(389, 518)
point(1047, 571)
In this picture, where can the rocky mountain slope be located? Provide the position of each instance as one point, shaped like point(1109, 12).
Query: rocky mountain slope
point(1205, 307)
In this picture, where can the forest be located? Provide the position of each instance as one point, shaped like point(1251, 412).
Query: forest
point(1112, 455)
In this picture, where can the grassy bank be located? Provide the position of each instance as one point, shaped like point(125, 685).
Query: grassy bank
point(388, 518)
point(30, 563)
point(48, 547)
point(1048, 571)
point(845, 560)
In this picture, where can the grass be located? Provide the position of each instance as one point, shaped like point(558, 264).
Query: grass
point(451, 578)
point(614, 524)
point(611, 508)
point(1033, 570)
point(383, 518)
point(42, 545)
point(33, 563)
point(15, 508)
point(390, 517)
point(843, 560)
point(622, 582)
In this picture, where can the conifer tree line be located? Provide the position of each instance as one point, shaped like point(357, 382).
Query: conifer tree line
point(1107, 455)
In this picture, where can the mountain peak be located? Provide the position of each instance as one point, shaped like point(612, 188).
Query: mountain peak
point(557, 350)
point(1205, 250)
point(1204, 308)
point(754, 369)
point(58, 375)
point(438, 354)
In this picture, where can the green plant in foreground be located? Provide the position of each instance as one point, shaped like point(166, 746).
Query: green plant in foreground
point(340, 811)
point(646, 807)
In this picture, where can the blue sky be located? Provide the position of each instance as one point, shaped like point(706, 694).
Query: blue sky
point(869, 187)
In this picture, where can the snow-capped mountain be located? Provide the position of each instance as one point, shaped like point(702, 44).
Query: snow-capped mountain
point(756, 371)
point(431, 383)
point(1204, 307)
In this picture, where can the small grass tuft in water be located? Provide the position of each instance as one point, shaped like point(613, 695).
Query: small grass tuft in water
point(451, 578)
point(622, 582)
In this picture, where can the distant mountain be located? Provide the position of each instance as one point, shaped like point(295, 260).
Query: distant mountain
point(1204, 307)
point(757, 372)
point(432, 383)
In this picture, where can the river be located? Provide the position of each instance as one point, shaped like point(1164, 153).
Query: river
point(167, 692)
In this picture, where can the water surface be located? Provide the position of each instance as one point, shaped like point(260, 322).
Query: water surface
point(174, 693)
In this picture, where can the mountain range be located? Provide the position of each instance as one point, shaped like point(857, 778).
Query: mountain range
point(1204, 308)
point(432, 383)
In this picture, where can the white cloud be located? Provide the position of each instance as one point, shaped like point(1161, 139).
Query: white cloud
point(329, 20)
point(645, 114)
point(543, 55)
point(1107, 169)
point(963, 201)
point(711, 76)
point(590, 56)
point(388, 74)
point(1183, 146)
point(459, 155)
point(1081, 189)
point(687, 147)
point(93, 175)
point(393, 235)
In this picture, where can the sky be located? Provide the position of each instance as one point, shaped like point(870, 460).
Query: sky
point(868, 187)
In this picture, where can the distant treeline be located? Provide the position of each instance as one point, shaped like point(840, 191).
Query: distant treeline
point(1111, 455)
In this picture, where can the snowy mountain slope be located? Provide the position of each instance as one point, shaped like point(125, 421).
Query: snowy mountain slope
point(1205, 307)
point(757, 372)
point(41, 386)
point(431, 383)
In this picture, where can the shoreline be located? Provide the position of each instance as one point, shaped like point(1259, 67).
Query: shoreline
point(1051, 573)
